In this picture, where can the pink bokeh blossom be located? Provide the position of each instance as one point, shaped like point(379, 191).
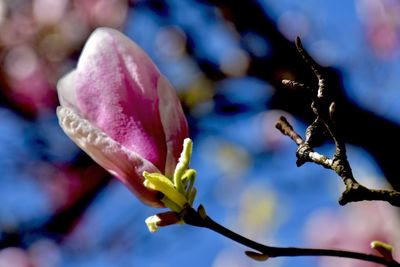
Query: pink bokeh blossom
point(354, 228)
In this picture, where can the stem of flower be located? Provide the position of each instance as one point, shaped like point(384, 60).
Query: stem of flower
point(194, 218)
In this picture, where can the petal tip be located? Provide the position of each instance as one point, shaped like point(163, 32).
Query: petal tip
point(66, 89)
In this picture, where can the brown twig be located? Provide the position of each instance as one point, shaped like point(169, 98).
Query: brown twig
point(199, 218)
point(324, 125)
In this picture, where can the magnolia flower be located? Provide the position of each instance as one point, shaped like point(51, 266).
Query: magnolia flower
point(120, 110)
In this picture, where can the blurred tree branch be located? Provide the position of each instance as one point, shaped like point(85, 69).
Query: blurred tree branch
point(64, 219)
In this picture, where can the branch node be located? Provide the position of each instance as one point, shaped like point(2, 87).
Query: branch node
point(303, 150)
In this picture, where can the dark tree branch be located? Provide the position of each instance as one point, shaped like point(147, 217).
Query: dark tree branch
point(323, 106)
point(354, 191)
point(199, 218)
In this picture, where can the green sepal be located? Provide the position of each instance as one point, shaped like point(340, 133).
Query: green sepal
point(179, 191)
point(191, 196)
point(159, 182)
point(170, 204)
point(188, 177)
point(183, 164)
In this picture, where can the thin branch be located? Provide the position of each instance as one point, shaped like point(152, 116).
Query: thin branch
point(324, 109)
point(284, 126)
point(354, 191)
point(314, 67)
point(200, 219)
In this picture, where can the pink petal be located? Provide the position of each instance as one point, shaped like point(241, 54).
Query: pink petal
point(116, 90)
point(126, 165)
point(173, 121)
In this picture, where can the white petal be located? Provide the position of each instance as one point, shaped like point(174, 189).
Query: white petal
point(66, 90)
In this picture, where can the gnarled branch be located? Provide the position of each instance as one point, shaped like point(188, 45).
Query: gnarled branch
point(324, 107)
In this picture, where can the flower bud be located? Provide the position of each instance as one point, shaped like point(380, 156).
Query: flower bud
point(121, 110)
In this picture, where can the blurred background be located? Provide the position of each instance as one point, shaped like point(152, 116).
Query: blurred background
point(226, 60)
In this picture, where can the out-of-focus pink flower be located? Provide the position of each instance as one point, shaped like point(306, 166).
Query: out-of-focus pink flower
point(13, 256)
point(354, 228)
point(36, 45)
point(382, 26)
point(110, 13)
point(27, 80)
point(120, 110)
